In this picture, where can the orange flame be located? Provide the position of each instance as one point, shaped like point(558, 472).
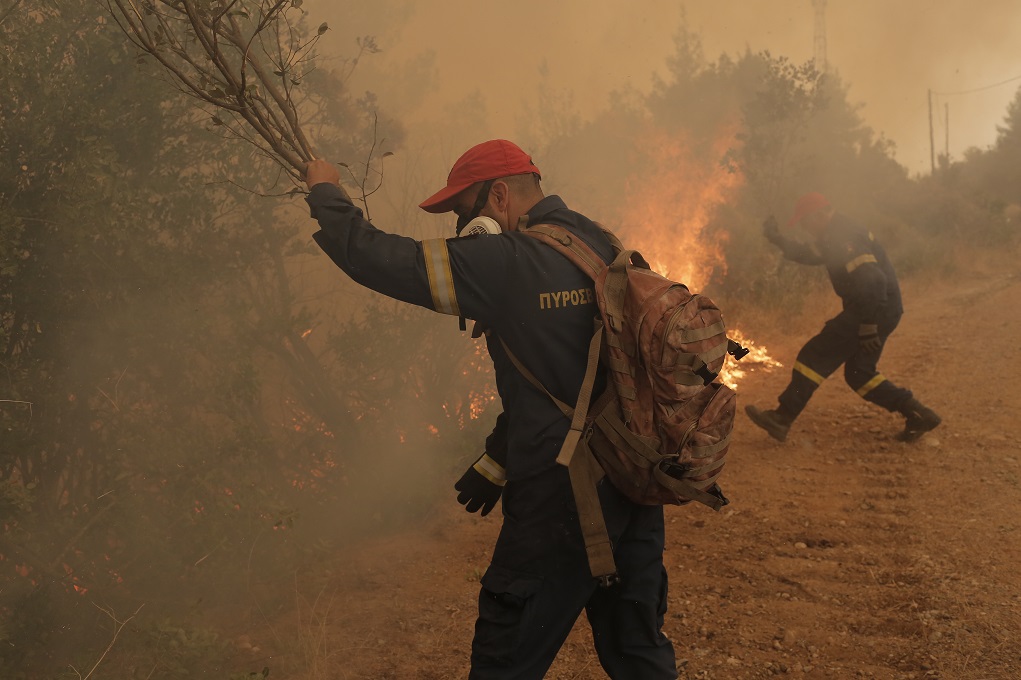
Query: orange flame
point(477, 373)
point(671, 201)
point(757, 356)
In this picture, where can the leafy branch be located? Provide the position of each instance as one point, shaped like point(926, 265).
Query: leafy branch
point(776, 120)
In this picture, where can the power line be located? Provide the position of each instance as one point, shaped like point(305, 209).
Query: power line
point(979, 89)
point(933, 96)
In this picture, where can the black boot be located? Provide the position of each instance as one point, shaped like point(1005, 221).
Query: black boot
point(773, 422)
point(920, 419)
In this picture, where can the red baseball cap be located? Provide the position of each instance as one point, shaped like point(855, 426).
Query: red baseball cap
point(806, 205)
point(488, 160)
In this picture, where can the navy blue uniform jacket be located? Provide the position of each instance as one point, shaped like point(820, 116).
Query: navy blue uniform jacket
point(859, 269)
point(522, 290)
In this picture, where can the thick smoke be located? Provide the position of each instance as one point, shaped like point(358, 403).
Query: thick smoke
point(465, 53)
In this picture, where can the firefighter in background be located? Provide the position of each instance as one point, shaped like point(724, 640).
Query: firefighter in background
point(864, 279)
point(533, 299)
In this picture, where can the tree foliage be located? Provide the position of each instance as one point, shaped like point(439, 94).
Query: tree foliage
point(745, 136)
point(169, 420)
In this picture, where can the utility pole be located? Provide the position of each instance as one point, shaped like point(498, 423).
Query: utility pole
point(946, 142)
point(932, 140)
point(819, 53)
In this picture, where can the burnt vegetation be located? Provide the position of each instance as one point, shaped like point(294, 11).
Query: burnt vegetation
point(188, 414)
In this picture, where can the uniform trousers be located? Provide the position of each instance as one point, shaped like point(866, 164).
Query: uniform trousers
point(539, 582)
point(838, 344)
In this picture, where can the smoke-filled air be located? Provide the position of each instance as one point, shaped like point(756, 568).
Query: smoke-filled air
point(232, 418)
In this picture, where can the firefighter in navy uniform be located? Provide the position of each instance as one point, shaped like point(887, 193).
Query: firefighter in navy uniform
point(541, 306)
point(864, 279)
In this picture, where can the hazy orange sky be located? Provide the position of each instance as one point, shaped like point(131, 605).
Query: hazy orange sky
point(891, 52)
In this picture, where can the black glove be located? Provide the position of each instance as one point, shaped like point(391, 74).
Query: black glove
point(771, 230)
point(868, 338)
point(481, 485)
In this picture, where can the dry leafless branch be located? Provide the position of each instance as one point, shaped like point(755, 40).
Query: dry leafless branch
point(118, 626)
point(245, 58)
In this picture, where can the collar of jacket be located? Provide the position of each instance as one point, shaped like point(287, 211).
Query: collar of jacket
point(541, 210)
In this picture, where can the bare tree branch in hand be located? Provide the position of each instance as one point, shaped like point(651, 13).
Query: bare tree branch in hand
point(246, 58)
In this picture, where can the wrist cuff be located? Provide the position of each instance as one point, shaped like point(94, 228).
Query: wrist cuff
point(491, 470)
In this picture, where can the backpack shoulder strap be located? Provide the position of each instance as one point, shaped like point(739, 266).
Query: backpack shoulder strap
point(578, 413)
point(581, 254)
point(583, 469)
point(523, 370)
point(569, 245)
point(575, 454)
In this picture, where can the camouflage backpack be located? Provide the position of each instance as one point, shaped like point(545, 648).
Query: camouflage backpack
point(661, 430)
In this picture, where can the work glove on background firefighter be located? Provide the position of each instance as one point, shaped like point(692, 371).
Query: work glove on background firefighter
point(481, 484)
point(868, 338)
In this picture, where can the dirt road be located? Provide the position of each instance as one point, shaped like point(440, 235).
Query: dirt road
point(845, 554)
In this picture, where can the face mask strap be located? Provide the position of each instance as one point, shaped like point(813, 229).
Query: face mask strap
point(480, 202)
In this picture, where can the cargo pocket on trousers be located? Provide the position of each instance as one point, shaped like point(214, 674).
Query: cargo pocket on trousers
point(506, 605)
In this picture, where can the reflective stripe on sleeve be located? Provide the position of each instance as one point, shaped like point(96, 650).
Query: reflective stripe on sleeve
point(808, 373)
point(491, 470)
point(871, 384)
point(859, 261)
point(441, 280)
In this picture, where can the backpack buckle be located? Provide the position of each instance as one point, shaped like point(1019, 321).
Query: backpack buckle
point(608, 580)
point(718, 492)
point(704, 372)
point(735, 350)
